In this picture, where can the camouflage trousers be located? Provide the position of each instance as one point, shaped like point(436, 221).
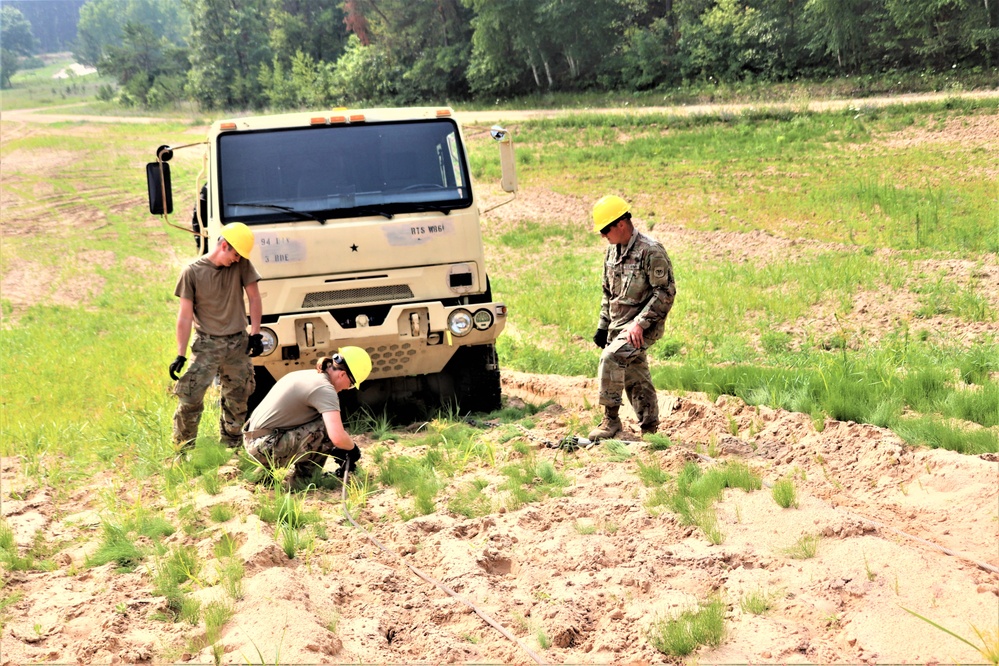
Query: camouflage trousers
point(625, 368)
point(304, 448)
point(222, 356)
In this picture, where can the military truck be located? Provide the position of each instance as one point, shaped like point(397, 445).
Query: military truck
point(367, 229)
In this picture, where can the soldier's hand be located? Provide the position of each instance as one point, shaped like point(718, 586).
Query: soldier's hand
point(636, 335)
point(255, 347)
point(353, 456)
point(347, 459)
point(600, 338)
point(176, 367)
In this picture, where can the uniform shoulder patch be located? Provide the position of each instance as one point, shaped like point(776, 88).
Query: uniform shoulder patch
point(659, 271)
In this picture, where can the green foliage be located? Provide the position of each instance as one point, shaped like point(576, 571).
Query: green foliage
point(784, 494)
point(531, 481)
point(414, 477)
point(989, 649)
point(216, 614)
point(16, 39)
point(695, 493)
point(11, 557)
point(103, 24)
point(148, 67)
point(285, 509)
point(221, 513)
point(756, 602)
point(927, 431)
point(471, 501)
point(680, 634)
point(657, 442)
point(121, 530)
point(804, 548)
point(228, 48)
point(6, 601)
point(226, 546)
point(397, 52)
point(652, 474)
point(232, 572)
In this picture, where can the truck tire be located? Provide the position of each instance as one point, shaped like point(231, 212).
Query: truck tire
point(476, 375)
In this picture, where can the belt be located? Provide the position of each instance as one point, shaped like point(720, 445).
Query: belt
point(249, 435)
point(208, 336)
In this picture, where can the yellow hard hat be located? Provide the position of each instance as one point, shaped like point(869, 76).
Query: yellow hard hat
point(357, 361)
point(239, 236)
point(607, 210)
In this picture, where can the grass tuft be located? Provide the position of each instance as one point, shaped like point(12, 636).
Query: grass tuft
point(679, 635)
point(785, 494)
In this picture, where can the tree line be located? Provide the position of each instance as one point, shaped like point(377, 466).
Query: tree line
point(304, 53)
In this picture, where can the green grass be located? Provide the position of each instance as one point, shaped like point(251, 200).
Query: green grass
point(804, 548)
point(693, 495)
point(757, 602)
point(989, 648)
point(35, 88)
point(785, 494)
point(734, 329)
point(84, 365)
point(680, 634)
point(742, 327)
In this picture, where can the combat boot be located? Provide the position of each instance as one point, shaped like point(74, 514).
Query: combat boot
point(610, 426)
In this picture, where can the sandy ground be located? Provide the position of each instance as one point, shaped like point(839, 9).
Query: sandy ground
point(591, 570)
point(579, 578)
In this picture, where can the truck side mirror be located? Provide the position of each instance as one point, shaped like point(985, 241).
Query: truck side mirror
point(508, 161)
point(160, 191)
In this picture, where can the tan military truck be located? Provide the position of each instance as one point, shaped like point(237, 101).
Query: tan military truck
point(367, 233)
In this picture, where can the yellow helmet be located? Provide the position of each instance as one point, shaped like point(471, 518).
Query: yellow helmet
point(357, 361)
point(607, 210)
point(239, 236)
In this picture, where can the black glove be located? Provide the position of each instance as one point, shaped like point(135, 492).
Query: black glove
point(600, 338)
point(255, 347)
point(176, 367)
point(347, 458)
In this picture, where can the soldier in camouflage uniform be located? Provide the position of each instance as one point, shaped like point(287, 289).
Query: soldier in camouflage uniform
point(638, 292)
point(298, 424)
point(211, 298)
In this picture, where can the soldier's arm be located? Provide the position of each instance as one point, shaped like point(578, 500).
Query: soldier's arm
point(185, 319)
point(337, 433)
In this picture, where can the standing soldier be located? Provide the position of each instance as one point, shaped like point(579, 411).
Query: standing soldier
point(211, 297)
point(638, 292)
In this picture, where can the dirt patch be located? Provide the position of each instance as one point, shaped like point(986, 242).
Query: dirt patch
point(965, 130)
point(579, 578)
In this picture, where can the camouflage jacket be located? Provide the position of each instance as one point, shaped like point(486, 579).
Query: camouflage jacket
point(638, 286)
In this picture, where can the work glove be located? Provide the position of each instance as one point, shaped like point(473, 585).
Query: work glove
point(255, 347)
point(346, 459)
point(176, 367)
point(600, 338)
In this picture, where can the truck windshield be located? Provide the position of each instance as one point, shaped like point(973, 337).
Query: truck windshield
point(339, 171)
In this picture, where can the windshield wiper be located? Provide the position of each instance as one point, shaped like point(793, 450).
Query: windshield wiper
point(300, 214)
point(369, 210)
point(422, 208)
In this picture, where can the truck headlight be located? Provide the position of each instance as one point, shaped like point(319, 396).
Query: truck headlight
point(482, 319)
point(459, 323)
point(269, 338)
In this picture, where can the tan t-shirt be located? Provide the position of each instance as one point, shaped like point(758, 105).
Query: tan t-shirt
point(217, 293)
point(296, 399)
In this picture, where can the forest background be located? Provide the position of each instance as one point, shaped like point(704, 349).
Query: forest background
point(283, 54)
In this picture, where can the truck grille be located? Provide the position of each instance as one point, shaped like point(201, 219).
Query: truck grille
point(326, 299)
